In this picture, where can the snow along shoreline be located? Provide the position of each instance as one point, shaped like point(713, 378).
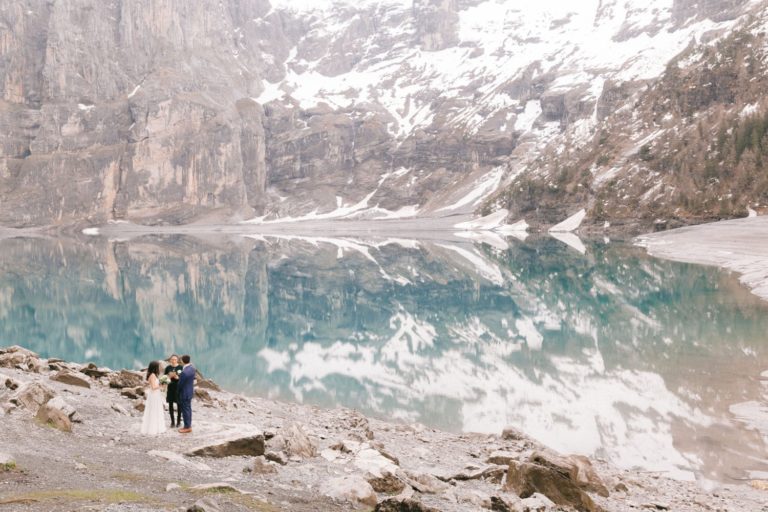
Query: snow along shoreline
point(739, 245)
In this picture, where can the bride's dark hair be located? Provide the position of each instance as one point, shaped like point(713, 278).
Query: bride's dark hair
point(154, 367)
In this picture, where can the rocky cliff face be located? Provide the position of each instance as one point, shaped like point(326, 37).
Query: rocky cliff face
point(167, 112)
point(115, 109)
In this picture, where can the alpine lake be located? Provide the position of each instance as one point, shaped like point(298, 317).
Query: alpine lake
point(595, 349)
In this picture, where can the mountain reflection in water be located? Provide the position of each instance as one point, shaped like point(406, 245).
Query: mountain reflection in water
point(608, 353)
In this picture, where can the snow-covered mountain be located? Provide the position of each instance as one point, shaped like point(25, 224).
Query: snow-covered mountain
point(367, 109)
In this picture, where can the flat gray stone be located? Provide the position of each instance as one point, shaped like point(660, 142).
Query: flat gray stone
point(250, 445)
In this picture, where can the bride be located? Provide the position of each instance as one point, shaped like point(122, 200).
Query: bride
point(153, 422)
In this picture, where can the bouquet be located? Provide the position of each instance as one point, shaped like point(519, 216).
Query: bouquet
point(165, 380)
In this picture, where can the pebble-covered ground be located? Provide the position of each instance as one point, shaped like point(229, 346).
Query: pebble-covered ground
point(316, 460)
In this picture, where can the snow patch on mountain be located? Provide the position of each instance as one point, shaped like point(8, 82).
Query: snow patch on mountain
point(482, 188)
point(499, 41)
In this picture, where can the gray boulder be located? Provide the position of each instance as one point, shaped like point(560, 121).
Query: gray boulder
point(71, 378)
point(61, 404)
point(424, 482)
point(126, 379)
point(94, 371)
point(31, 395)
point(514, 434)
point(54, 417)
point(350, 488)
point(276, 456)
point(261, 466)
point(251, 445)
point(502, 457)
point(294, 442)
point(387, 483)
point(527, 478)
point(578, 467)
point(132, 393)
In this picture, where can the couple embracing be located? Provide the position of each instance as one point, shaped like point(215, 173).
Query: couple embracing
point(180, 379)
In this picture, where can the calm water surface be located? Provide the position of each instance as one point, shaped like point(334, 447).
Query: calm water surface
point(646, 363)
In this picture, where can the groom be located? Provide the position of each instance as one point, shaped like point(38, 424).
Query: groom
point(186, 392)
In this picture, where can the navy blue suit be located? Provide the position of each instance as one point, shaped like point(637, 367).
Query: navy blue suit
point(186, 392)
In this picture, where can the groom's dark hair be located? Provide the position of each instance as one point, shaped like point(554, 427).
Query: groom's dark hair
point(185, 359)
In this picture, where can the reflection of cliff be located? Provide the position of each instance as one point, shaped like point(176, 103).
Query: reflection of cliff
point(608, 353)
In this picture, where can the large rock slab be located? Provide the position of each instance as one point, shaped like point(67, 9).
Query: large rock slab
point(251, 445)
point(261, 466)
point(375, 463)
point(126, 379)
point(350, 488)
point(94, 371)
point(527, 478)
point(32, 395)
point(578, 467)
point(132, 393)
point(65, 407)
point(54, 417)
point(425, 483)
point(71, 378)
point(514, 434)
point(294, 442)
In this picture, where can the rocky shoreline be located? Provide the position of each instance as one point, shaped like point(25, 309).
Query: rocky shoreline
point(70, 441)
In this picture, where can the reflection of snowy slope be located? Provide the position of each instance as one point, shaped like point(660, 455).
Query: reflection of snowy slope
point(503, 367)
point(625, 416)
point(609, 352)
point(479, 263)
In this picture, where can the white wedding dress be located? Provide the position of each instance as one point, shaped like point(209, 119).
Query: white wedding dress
point(153, 422)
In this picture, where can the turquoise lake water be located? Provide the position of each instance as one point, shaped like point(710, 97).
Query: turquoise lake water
point(643, 362)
